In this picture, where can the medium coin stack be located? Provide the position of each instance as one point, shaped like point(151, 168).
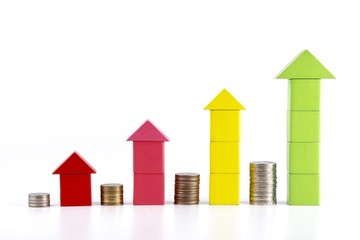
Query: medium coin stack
point(263, 183)
point(39, 200)
point(112, 194)
point(187, 188)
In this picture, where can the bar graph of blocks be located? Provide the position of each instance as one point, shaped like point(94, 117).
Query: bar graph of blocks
point(304, 73)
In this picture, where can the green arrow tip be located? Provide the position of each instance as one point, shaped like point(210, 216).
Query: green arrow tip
point(305, 66)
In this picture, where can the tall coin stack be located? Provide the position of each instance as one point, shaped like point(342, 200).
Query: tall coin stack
point(263, 183)
point(112, 194)
point(187, 188)
point(39, 200)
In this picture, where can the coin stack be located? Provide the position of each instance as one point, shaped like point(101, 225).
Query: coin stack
point(112, 194)
point(39, 200)
point(263, 183)
point(187, 188)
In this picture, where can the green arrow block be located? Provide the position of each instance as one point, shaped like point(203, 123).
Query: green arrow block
point(305, 65)
point(304, 189)
point(304, 126)
point(304, 94)
point(304, 158)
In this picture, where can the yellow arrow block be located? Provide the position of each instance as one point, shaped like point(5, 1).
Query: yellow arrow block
point(224, 157)
point(225, 126)
point(224, 189)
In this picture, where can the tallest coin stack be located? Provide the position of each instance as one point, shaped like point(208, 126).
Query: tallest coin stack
point(262, 183)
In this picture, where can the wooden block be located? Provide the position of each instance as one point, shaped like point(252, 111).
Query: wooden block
point(304, 126)
point(305, 66)
point(224, 189)
point(149, 189)
point(148, 157)
point(75, 190)
point(224, 157)
point(148, 132)
point(304, 158)
point(304, 94)
point(225, 126)
point(304, 189)
point(224, 101)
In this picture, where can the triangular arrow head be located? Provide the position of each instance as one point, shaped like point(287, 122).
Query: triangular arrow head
point(74, 164)
point(305, 66)
point(148, 132)
point(224, 101)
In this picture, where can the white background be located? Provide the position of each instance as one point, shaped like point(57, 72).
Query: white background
point(84, 75)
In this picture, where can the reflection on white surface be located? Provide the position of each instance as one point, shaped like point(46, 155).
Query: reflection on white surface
point(173, 222)
point(302, 222)
point(262, 221)
point(147, 222)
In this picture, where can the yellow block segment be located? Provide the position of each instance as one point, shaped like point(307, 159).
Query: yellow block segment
point(225, 126)
point(224, 189)
point(224, 157)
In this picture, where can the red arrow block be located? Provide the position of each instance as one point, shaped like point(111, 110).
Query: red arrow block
point(149, 189)
point(75, 181)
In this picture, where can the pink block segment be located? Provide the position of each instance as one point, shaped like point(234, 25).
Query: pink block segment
point(148, 132)
point(149, 189)
point(148, 157)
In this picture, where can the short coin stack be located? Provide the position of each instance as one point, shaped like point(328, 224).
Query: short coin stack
point(263, 183)
point(187, 188)
point(39, 200)
point(112, 194)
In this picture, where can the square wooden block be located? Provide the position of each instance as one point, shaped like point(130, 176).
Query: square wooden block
point(224, 189)
point(304, 189)
point(304, 126)
point(149, 189)
point(225, 126)
point(224, 157)
point(148, 157)
point(304, 158)
point(304, 94)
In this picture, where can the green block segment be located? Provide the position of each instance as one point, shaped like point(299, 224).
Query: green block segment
point(304, 189)
point(304, 158)
point(304, 126)
point(304, 94)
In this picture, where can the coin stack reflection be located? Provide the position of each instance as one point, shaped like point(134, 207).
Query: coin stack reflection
point(187, 188)
point(263, 183)
point(111, 194)
point(39, 200)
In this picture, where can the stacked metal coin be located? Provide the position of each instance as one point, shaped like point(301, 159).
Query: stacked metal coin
point(39, 200)
point(262, 183)
point(187, 188)
point(112, 194)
